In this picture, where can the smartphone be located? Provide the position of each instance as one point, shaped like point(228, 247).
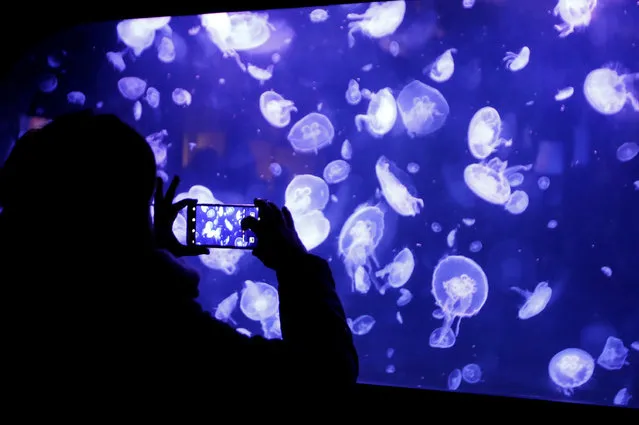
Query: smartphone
point(219, 226)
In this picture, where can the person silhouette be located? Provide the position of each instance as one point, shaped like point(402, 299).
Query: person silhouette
point(99, 297)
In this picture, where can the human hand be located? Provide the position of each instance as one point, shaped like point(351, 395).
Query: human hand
point(277, 240)
point(165, 213)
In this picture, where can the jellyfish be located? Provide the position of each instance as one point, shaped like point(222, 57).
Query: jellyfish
point(353, 95)
point(517, 203)
point(362, 280)
point(627, 151)
point(380, 20)
point(48, 83)
point(608, 92)
point(405, 297)
point(468, 4)
point(475, 246)
point(137, 110)
point(622, 398)
point(312, 133)
point(412, 167)
point(517, 61)
point(399, 271)
point(574, 14)
point(488, 181)
point(423, 108)
point(159, 148)
point(564, 93)
point(131, 88)
point(275, 109)
point(397, 188)
point(454, 379)
point(139, 34)
point(260, 74)
point(152, 97)
point(443, 68)
point(181, 97)
point(272, 327)
point(224, 260)
point(259, 300)
point(275, 169)
point(358, 239)
point(116, 59)
point(613, 355)
point(347, 150)
point(460, 288)
point(361, 325)
point(318, 15)
point(484, 133)
point(312, 228)
point(166, 50)
point(226, 307)
point(336, 171)
point(571, 368)
point(381, 114)
point(536, 301)
point(471, 373)
point(543, 183)
point(515, 179)
point(76, 98)
point(306, 193)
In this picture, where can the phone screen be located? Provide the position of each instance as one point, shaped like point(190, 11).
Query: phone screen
point(220, 226)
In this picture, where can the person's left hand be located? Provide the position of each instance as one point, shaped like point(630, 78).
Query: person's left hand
point(164, 214)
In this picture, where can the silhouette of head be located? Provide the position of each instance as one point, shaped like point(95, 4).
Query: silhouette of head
point(83, 174)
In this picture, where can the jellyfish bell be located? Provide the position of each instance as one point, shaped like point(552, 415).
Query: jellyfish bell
point(609, 89)
point(423, 108)
point(571, 368)
point(488, 182)
point(397, 188)
point(306, 193)
point(484, 133)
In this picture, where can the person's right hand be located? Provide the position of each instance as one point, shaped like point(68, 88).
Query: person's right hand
point(277, 240)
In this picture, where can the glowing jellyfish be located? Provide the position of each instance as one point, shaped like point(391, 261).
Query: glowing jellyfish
point(488, 181)
point(405, 297)
point(272, 327)
point(515, 179)
point(574, 14)
point(152, 97)
point(312, 228)
point(454, 379)
point(443, 68)
point(468, 4)
point(117, 60)
point(517, 61)
point(423, 108)
point(614, 354)
point(312, 133)
point(361, 325)
point(137, 110)
point(543, 183)
point(608, 92)
point(318, 15)
point(259, 300)
point(336, 171)
point(564, 93)
point(232, 32)
point(412, 167)
point(275, 109)
point(471, 373)
point(48, 83)
point(275, 169)
point(226, 307)
point(159, 147)
point(571, 368)
point(622, 398)
point(627, 151)
point(260, 74)
point(131, 88)
point(399, 271)
point(139, 34)
point(347, 150)
point(460, 288)
point(362, 280)
point(353, 95)
point(536, 301)
point(359, 238)
point(76, 98)
point(484, 133)
point(517, 203)
point(306, 193)
point(181, 97)
point(397, 188)
point(381, 114)
point(380, 20)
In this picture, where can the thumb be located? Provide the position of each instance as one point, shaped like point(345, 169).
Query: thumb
point(288, 218)
point(250, 223)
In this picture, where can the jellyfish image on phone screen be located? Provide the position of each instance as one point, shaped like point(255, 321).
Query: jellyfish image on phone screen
point(460, 288)
point(221, 225)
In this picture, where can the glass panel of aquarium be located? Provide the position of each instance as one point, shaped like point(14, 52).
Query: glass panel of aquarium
point(469, 168)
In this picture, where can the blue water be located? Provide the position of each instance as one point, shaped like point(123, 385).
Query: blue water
point(223, 142)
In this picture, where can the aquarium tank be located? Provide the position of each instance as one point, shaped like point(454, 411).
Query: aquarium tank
point(468, 168)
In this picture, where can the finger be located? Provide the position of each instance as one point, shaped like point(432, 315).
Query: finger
point(197, 250)
point(170, 192)
point(265, 213)
point(288, 218)
point(180, 205)
point(250, 223)
point(278, 216)
point(159, 190)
